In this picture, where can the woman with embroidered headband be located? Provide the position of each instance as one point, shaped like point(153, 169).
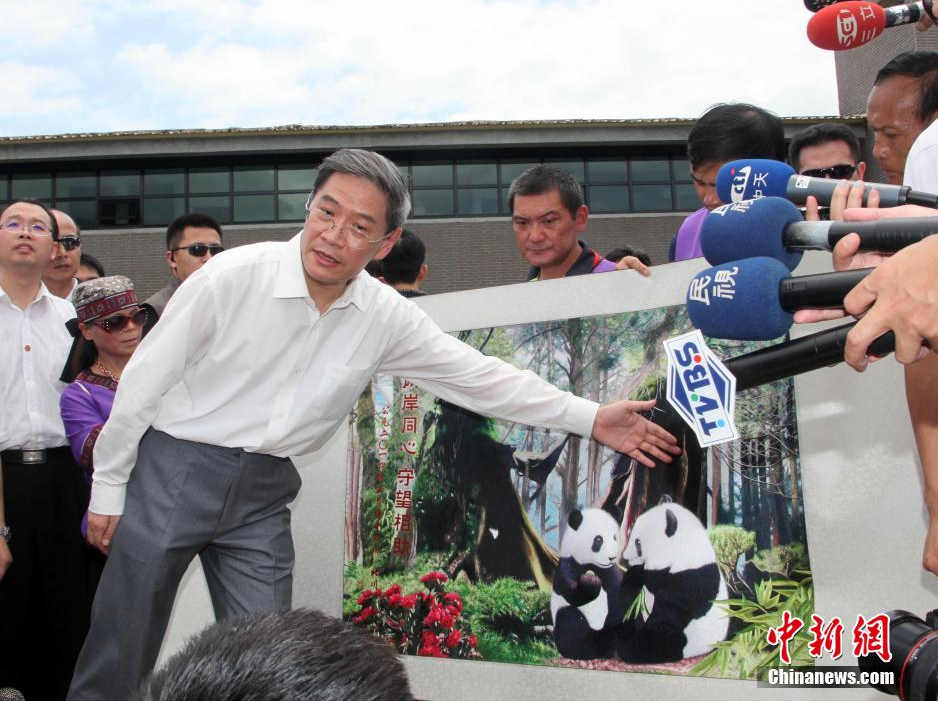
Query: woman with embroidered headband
point(107, 330)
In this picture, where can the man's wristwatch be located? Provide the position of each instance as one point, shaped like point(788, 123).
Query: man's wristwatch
point(5, 533)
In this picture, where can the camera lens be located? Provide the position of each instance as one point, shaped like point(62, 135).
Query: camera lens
point(914, 662)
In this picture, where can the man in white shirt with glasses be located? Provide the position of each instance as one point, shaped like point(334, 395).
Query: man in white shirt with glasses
point(43, 595)
point(258, 357)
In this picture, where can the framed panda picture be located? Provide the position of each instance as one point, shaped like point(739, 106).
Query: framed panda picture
point(471, 538)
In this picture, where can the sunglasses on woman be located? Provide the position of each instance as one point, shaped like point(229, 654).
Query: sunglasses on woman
point(119, 321)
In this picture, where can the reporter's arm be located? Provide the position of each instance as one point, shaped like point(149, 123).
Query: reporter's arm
point(921, 389)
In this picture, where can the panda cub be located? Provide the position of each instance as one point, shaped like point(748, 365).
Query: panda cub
point(670, 555)
point(586, 603)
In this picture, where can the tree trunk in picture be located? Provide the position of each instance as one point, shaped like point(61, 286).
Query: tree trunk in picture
point(782, 503)
point(479, 468)
point(365, 431)
point(716, 484)
point(352, 494)
point(680, 479)
point(745, 491)
point(570, 473)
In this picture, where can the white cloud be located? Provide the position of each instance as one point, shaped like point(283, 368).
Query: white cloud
point(285, 61)
point(44, 24)
point(37, 90)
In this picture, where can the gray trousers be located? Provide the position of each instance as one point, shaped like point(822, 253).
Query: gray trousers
point(185, 499)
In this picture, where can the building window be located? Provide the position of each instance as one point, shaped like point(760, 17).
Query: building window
point(268, 193)
point(37, 186)
point(253, 179)
point(119, 184)
point(119, 212)
point(71, 185)
point(164, 182)
point(160, 211)
point(433, 203)
point(84, 212)
point(218, 207)
point(290, 207)
point(254, 208)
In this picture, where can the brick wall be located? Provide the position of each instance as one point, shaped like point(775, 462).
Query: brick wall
point(461, 253)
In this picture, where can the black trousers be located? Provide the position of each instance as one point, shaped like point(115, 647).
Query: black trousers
point(44, 597)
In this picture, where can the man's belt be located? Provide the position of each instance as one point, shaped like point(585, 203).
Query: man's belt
point(31, 456)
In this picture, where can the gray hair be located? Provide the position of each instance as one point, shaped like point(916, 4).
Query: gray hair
point(538, 180)
point(377, 169)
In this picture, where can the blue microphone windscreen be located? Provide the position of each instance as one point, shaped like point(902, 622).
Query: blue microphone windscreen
point(747, 229)
point(739, 300)
point(750, 178)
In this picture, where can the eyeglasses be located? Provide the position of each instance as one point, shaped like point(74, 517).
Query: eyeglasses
point(70, 243)
point(199, 250)
point(357, 237)
point(839, 172)
point(35, 228)
point(118, 322)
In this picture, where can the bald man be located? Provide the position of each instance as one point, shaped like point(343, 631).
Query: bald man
point(61, 274)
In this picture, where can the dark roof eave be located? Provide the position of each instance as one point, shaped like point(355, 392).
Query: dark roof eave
point(298, 129)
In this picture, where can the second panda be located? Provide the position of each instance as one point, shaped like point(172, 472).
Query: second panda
point(670, 555)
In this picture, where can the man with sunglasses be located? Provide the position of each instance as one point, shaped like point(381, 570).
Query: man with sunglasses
point(191, 241)
point(827, 150)
point(43, 601)
point(61, 273)
point(261, 356)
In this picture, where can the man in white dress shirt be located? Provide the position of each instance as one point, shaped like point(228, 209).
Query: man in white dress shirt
point(258, 357)
point(43, 600)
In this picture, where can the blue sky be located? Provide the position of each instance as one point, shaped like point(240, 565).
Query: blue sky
point(112, 65)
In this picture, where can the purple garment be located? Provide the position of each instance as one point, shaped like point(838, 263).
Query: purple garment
point(86, 404)
point(604, 266)
point(688, 236)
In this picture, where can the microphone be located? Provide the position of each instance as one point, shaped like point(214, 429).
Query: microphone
point(798, 356)
point(846, 25)
point(745, 179)
point(800, 186)
point(751, 178)
point(754, 299)
point(773, 227)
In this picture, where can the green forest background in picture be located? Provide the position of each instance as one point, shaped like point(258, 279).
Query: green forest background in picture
point(468, 537)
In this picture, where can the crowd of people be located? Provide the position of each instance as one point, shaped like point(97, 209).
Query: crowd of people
point(137, 435)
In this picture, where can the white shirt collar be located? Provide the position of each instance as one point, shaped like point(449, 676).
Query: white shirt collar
point(291, 278)
point(43, 292)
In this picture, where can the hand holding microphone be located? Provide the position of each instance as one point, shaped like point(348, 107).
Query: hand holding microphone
point(849, 254)
point(900, 295)
point(847, 194)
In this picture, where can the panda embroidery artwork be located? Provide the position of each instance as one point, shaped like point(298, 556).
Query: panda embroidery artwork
point(586, 603)
point(670, 555)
